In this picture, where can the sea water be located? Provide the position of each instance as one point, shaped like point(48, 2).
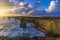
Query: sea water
point(11, 28)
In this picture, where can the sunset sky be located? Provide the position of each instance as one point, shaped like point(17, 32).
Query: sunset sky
point(44, 6)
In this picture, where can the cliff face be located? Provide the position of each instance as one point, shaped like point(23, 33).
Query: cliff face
point(51, 25)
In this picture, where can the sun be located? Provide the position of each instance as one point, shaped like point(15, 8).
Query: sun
point(4, 11)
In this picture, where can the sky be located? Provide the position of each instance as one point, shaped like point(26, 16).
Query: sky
point(31, 6)
point(44, 3)
point(47, 5)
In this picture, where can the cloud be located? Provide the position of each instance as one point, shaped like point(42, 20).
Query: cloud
point(6, 3)
point(54, 7)
point(51, 7)
point(8, 6)
point(22, 8)
point(21, 4)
